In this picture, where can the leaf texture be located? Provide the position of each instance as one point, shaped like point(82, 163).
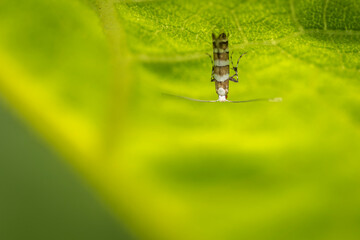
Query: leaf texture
point(92, 83)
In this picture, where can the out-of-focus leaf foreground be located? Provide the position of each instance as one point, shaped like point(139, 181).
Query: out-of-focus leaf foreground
point(89, 76)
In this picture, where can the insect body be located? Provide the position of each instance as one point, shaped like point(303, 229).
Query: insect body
point(221, 72)
point(221, 66)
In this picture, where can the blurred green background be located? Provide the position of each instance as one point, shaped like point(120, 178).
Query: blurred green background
point(41, 198)
point(88, 77)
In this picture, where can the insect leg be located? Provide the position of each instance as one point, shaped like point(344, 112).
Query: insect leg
point(239, 59)
point(235, 77)
point(212, 73)
point(212, 62)
point(232, 64)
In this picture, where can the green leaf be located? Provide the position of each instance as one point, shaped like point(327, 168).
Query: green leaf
point(176, 169)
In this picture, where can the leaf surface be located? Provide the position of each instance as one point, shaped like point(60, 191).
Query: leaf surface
point(177, 169)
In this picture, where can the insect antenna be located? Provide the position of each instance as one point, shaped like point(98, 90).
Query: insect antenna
point(237, 64)
point(187, 98)
point(277, 99)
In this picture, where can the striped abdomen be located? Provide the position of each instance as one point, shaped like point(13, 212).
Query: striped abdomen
point(221, 65)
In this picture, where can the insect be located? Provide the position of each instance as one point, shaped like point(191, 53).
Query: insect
point(221, 72)
point(221, 66)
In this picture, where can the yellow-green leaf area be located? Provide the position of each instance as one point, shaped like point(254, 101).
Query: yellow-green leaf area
point(50, 54)
point(177, 169)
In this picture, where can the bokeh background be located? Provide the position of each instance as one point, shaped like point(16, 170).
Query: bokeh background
point(91, 148)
